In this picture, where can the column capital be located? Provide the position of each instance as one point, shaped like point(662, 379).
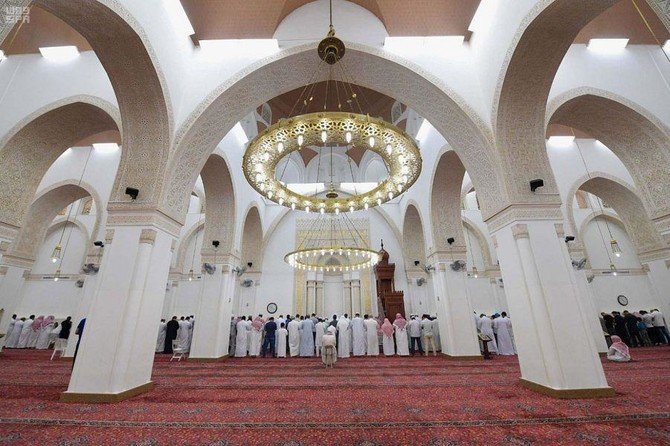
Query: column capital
point(8, 231)
point(109, 236)
point(560, 230)
point(4, 246)
point(17, 261)
point(3, 270)
point(520, 231)
point(131, 214)
point(652, 255)
point(524, 212)
point(148, 236)
point(450, 256)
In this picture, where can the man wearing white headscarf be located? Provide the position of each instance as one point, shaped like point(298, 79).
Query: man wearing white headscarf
point(343, 346)
point(160, 340)
point(35, 332)
point(358, 331)
point(320, 329)
point(329, 349)
point(502, 326)
point(10, 328)
point(485, 326)
point(13, 339)
point(43, 337)
point(25, 332)
point(241, 337)
point(371, 329)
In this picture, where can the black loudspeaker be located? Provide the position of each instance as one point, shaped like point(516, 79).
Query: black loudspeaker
point(216, 243)
point(569, 238)
point(416, 263)
point(250, 264)
point(534, 184)
point(451, 240)
point(99, 243)
point(132, 192)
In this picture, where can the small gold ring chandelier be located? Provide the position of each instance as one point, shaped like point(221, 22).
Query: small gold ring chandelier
point(395, 147)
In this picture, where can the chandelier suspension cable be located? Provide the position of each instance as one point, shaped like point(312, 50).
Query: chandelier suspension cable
point(59, 251)
point(472, 253)
point(651, 31)
point(195, 248)
point(602, 212)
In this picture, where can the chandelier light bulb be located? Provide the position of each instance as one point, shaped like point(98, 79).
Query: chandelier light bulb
point(475, 274)
point(301, 139)
point(616, 249)
point(347, 137)
point(293, 206)
point(613, 269)
point(56, 276)
point(379, 201)
point(389, 149)
point(261, 186)
point(307, 209)
point(390, 195)
point(281, 201)
point(270, 193)
point(400, 185)
point(371, 141)
point(280, 147)
point(324, 136)
point(56, 254)
point(190, 276)
point(351, 209)
point(322, 210)
point(337, 211)
point(366, 205)
point(266, 156)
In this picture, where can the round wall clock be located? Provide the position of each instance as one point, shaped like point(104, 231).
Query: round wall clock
point(272, 308)
point(623, 300)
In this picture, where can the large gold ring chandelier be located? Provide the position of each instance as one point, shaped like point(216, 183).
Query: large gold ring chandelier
point(395, 147)
point(333, 259)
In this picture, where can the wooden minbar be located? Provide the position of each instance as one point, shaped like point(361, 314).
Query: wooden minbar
point(392, 301)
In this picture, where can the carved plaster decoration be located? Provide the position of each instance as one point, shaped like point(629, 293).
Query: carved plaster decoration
point(288, 70)
point(140, 88)
point(662, 9)
point(40, 215)
point(148, 236)
point(109, 236)
point(3, 270)
point(220, 200)
point(629, 208)
point(184, 241)
point(638, 138)
point(524, 212)
point(480, 238)
point(531, 63)
point(4, 246)
point(414, 244)
point(445, 203)
point(560, 231)
point(32, 146)
point(124, 214)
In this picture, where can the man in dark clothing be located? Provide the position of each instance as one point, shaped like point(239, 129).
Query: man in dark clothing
point(609, 322)
point(270, 330)
point(620, 327)
point(170, 334)
point(65, 328)
point(80, 332)
point(633, 331)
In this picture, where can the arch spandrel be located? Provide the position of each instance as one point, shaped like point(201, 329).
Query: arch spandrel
point(252, 239)
point(523, 89)
point(445, 202)
point(220, 205)
point(288, 70)
point(413, 240)
point(634, 135)
point(27, 152)
point(127, 57)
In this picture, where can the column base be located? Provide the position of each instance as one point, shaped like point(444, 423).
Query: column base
point(465, 357)
point(196, 359)
point(603, 392)
point(66, 358)
point(74, 397)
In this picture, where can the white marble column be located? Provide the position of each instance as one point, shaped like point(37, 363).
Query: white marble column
point(498, 294)
point(556, 349)
point(311, 296)
point(458, 334)
point(658, 272)
point(13, 273)
point(211, 334)
point(117, 348)
point(356, 302)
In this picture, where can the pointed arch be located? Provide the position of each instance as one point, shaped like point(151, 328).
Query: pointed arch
point(219, 205)
point(445, 202)
point(252, 239)
point(413, 240)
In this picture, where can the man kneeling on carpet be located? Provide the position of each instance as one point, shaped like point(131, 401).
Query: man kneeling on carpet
point(618, 351)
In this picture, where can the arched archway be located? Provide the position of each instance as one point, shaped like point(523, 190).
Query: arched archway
point(219, 205)
point(287, 71)
point(413, 241)
point(641, 141)
point(27, 152)
point(252, 240)
point(523, 90)
point(629, 207)
point(445, 202)
point(127, 57)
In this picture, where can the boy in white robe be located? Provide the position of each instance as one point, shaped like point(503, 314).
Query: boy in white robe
point(282, 334)
point(320, 330)
point(241, 329)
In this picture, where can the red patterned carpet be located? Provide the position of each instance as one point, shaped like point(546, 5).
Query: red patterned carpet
point(366, 402)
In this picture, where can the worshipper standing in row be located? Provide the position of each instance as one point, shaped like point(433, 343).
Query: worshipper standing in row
point(294, 337)
point(329, 349)
point(241, 337)
point(485, 327)
point(182, 334)
point(371, 335)
point(48, 324)
point(660, 327)
point(307, 335)
point(270, 329)
point(66, 326)
point(160, 341)
point(282, 334)
point(53, 334)
point(502, 327)
point(25, 332)
point(428, 336)
point(414, 327)
point(387, 338)
point(314, 320)
point(35, 332)
point(359, 342)
point(618, 351)
point(401, 336)
point(320, 330)
point(255, 336)
point(10, 328)
point(13, 332)
point(171, 331)
point(343, 331)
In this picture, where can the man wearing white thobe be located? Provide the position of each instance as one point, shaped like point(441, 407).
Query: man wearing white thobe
point(241, 329)
point(502, 327)
point(294, 337)
point(358, 331)
point(428, 336)
point(282, 334)
point(13, 338)
point(307, 333)
point(485, 326)
point(25, 332)
point(160, 341)
point(10, 329)
point(320, 329)
point(343, 345)
point(371, 335)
